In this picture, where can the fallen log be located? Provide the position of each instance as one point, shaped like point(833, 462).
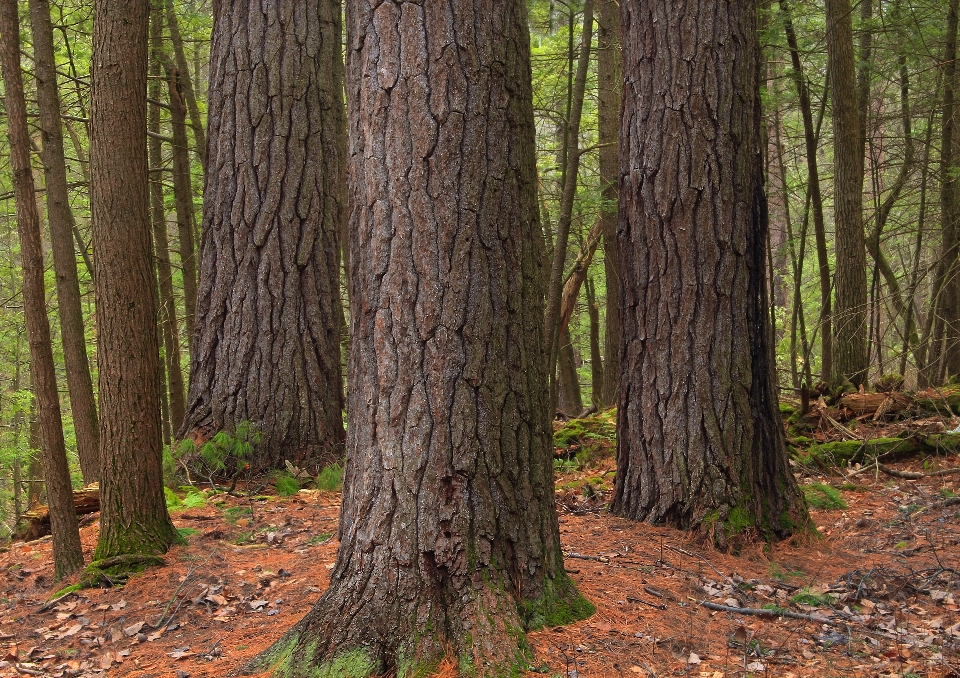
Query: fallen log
point(35, 523)
point(876, 404)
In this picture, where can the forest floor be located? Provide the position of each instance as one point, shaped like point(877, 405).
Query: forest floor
point(877, 594)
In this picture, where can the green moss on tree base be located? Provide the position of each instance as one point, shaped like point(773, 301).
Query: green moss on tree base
point(559, 604)
point(116, 570)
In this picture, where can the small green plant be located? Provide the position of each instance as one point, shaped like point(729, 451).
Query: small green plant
point(331, 478)
point(947, 493)
point(318, 539)
point(173, 501)
point(225, 452)
point(235, 513)
point(187, 531)
point(287, 485)
point(823, 496)
point(566, 465)
point(806, 596)
point(194, 499)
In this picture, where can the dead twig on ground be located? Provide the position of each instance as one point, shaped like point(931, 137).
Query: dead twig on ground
point(768, 614)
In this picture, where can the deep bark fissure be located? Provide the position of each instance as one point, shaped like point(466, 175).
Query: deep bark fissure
point(700, 444)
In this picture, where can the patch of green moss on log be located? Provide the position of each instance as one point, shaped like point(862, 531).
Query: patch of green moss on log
point(833, 454)
point(943, 401)
point(946, 442)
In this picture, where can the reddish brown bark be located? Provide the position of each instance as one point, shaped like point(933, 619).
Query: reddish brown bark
point(67, 554)
point(449, 537)
point(699, 441)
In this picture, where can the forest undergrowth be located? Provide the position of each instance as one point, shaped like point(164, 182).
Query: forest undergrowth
point(877, 593)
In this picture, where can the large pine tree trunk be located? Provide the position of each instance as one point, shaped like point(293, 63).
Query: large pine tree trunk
point(79, 382)
point(449, 537)
point(134, 519)
point(610, 85)
point(267, 346)
point(850, 284)
point(67, 554)
point(699, 443)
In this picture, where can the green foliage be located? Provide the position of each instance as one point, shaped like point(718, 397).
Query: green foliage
point(173, 501)
point(318, 539)
point(331, 478)
point(822, 496)
point(185, 532)
point(807, 596)
point(287, 485)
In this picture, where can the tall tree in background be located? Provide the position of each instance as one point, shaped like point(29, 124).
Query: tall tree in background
point(133, 520)
point(67, 554)
point(449, 535)
point(267, 346)
point(699, 438)
point(62, 225)
point(850, 286)
point(610, 85)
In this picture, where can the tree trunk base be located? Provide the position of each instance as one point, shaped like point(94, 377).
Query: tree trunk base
point(480, 626)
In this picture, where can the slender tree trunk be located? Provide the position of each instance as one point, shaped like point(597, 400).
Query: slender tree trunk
point(610, 85)
point(449, 537)
point(699, 442)
point(570, 400)
point(596, 356)
point(185, 83)
point(864, 71)
point(133, 519)
point(79, 383)
point(167, 309)
point(810, 137)
point(920, 351)
point(569, 189)
point(183, 197)
point(267, 346)
point(850, 338)
point(67, 553)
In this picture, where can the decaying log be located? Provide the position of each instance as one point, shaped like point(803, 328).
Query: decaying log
point(876, 404)
point(35, 523)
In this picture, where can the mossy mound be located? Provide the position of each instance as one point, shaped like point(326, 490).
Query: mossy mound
point(601, 427)
point(846, 451)
point(939, 401)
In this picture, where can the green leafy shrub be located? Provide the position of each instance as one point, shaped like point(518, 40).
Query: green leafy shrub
point(287, 485)
point(331, 478)
point(173, 501)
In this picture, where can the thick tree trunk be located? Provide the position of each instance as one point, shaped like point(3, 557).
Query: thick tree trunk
point(267, 347)
point(167, 309)
point(850, 286)
point(79, 383)
point(186, 87)
point(610, 86)
point(449, 537)
point(183, 197)
point(134, 519)
point(699, 443)
point(67, 553)
point(949, 306)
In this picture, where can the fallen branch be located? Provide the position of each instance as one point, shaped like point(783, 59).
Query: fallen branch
point(768, 614)
point(916, 475)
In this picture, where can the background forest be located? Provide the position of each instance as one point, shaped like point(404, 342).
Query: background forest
point(906, 75)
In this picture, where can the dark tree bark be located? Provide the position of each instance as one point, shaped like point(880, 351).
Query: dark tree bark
point(267, 346)
point(569, 398)
point(449, 538)
point(67, 553)
point(610, 85)
point(810, 136)
point(185, 82)
point(62, 226)
point(596, 356)
point(850, 283)
point(134, 519)
point(183, 197)
point(571, 171)
point(699, 442)
point(169, 325)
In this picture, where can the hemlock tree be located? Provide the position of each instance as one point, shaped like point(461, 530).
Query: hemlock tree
point(79, 383)
point(850, 284)
point(267, 343)
point(699, 440)
point(134, 523)
point(448, 534)
point(67, 553)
